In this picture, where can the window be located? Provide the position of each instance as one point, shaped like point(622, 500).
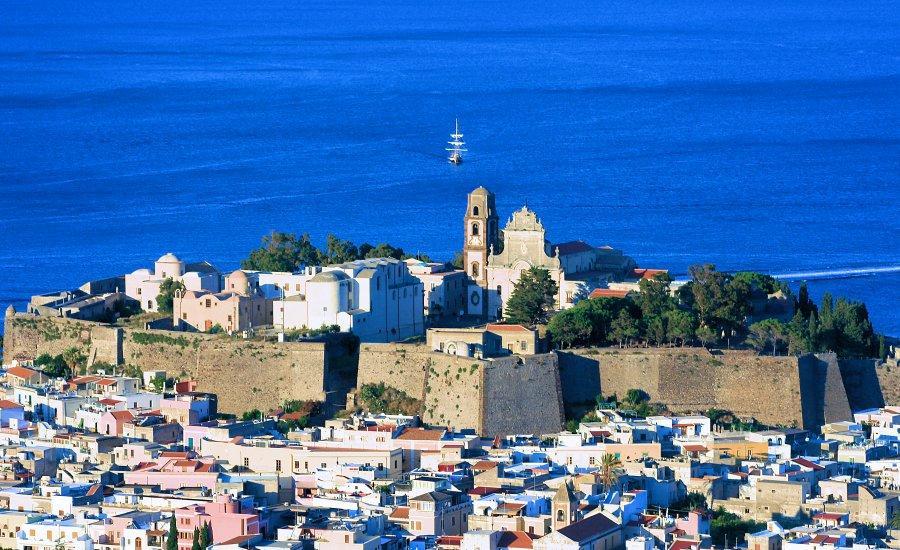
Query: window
point(277, 465)
point(139, 291)
point(208, 302)
point(476, 269)
point(523, 345)
point(246, 462)
point(499, 290)
point(297, 287)
point(474, 210)
point(475, 228)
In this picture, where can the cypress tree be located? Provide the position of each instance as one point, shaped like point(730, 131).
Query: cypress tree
point(196, 544)
point(204, 536)
point(172, 538)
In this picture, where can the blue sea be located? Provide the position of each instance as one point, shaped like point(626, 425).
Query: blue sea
point(752, 135)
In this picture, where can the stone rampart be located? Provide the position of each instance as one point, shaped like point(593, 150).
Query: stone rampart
point(801, 391)
point(522, 395)
point(246, 374)
point(508, 395)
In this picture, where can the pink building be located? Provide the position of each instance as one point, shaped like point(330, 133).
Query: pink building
point(228, 519)
point(175, 472)
point(112, 422)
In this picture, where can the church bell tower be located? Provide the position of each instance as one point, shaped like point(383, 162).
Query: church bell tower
point(482, 236)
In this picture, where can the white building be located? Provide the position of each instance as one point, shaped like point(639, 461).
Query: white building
point(143, 285)
point(376, 299)
point(444, 288)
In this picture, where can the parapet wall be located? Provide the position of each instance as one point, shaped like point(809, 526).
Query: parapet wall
point(801, 391)
point(508, 395)
point(245, 374)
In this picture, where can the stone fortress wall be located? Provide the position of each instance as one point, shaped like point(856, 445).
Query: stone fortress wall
point(509, 395)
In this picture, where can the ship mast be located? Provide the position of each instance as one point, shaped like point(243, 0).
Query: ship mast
point(457, 146)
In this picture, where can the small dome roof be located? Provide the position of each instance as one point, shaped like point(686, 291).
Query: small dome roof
point(238, 275)
point(481, 190)
point(329, 277)
point(169, 258)
point(10, 310)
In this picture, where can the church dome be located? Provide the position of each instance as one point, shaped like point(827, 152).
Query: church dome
point(329, 277)
point(168, 257)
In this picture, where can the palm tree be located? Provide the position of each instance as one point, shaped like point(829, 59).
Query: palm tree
point(609, 470)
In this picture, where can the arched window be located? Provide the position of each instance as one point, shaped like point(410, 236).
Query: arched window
point(475, 228)
point(560, 515)
point(474, 210)
point(475, 269)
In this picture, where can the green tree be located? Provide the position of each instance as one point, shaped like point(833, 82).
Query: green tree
point(458, 261)
point(655, 329)
point(282, 252)
point(766, 333)
point(166, 294)
point(706, 335)
point(609, 470)
point(728, 528)
point(571, 327)
point(532, 298)
point(654, 297)
point(53, 366)
point(681, 326)
point(338, 251)
point(75, 359)
point(624, 328)
point(204, 538)
point(761, 282)
point(158, 384)
point(172, 537)
point(195, 545)
point(383, 250)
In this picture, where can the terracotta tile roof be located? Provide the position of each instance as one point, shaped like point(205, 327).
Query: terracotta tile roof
point(694, 448)
point(684, 545)
point(7, 404)
point(607, 293)
point(122, 416)
point(449, 540)
point(107, 382)
point(21, 372)
point(829, 516)
point(509, 508)
point(484, 465)
point(515, 539)
point(400, 512)
point(643, 273)
point(808, 464)
point(421, 434)
point(84, 380)
point(108, 401)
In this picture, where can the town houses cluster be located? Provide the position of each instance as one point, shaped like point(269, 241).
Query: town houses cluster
point(102, 461)
point(377, 299)
point(100, 456)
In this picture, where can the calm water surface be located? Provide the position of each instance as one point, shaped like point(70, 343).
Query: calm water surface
point(752, 135)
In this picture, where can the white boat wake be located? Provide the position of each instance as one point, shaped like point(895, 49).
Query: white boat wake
point(837, 273)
